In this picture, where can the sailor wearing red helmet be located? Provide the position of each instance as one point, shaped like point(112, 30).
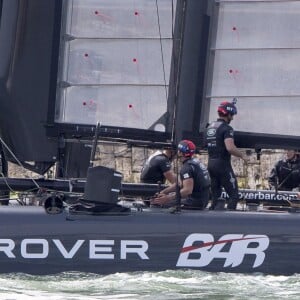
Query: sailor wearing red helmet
point(194, 181)
point(220, 146)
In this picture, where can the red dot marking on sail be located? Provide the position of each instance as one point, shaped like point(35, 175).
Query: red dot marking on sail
point(104, 18)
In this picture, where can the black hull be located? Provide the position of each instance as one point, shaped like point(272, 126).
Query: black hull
point(35, 242)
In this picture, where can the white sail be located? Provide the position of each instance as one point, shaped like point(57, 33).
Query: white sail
point(115, 62)
point(255, 56)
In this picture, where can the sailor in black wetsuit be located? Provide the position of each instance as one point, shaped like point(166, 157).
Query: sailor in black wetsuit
point(220, 146)
point(158, 167)
point(194, 181)
point(285, 176)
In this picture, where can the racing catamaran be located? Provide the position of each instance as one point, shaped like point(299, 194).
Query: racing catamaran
point(150, 72)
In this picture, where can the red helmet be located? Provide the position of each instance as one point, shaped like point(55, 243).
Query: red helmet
point(226, 108)
point(186, 147)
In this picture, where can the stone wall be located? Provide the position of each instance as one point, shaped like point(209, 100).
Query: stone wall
point(129, 161)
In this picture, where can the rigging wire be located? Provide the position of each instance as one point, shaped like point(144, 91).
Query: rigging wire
point(17, 160)
point(161, 49)
point(163, 61)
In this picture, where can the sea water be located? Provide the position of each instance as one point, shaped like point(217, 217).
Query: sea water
point(149, 285)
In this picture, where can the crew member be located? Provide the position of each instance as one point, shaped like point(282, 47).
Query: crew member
point(220, 146)
point(194, 181)
point(158, 167)
point(285, 176)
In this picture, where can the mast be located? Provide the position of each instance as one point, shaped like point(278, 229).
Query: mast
point(191, 36)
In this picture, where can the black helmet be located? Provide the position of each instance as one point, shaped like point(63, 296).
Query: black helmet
point(186, 147)
point(227, 108)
